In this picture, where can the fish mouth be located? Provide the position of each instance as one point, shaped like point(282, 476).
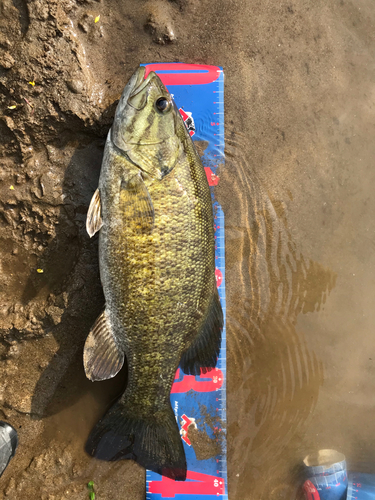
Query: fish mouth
point(142, 86)
point(140, 82)
point(139, 94)
point(134, 98)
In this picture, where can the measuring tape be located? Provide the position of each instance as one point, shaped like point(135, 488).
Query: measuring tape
point(199, 402)
point(361, 486)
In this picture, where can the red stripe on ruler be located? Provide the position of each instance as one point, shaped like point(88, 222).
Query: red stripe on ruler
point(210, 381)
point(185, 78)
point(196, 483)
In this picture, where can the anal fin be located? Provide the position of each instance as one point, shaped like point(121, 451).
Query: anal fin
point(102, 358)
point(203, 352)
point(94, 218)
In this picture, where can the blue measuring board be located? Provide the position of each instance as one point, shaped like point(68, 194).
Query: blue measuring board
point(199, 402)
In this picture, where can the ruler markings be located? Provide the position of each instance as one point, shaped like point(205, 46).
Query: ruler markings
point(203, 471)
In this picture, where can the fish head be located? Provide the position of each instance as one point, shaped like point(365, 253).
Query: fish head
point(145, 124)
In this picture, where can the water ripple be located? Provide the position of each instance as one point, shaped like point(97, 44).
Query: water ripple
point(273, 374)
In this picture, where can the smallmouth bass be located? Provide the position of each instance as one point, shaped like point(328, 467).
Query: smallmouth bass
point(154, 215)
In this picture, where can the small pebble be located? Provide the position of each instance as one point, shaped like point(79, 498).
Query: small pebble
point(7, 61)
point(75, 86)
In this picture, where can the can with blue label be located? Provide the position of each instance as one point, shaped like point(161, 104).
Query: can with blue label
point(326, 476)
point(8, 444)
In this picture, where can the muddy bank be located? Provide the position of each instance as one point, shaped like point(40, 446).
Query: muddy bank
point(299, 119)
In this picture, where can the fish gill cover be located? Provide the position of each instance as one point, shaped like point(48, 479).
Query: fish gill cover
point(199, 402)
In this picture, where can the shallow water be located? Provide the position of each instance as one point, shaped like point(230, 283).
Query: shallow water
point(297, 192)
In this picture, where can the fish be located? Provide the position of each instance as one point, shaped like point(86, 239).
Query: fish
point(153, 212)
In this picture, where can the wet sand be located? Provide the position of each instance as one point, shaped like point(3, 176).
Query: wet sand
point(297, 191)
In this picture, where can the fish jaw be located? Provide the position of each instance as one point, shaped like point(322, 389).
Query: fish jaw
point(138, 122)
point(121, 109)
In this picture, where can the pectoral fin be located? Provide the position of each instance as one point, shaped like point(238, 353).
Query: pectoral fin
point(102, 358)
point(204, 351)
point(94, 219)
point(137, 205)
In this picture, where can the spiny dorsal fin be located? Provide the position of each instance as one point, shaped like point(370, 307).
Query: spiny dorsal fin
point(102, 358)
point(94, 218)
point(137, 205)
point(204, 351)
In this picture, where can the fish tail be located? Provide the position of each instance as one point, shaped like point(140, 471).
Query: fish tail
point(153, 441)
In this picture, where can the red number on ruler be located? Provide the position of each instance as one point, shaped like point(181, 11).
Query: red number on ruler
point(219, 277)
point(196, 484)
point(192, 382)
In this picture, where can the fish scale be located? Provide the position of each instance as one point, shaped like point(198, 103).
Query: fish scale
point(201, 399)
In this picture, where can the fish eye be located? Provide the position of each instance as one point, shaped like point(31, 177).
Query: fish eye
point(162, 104)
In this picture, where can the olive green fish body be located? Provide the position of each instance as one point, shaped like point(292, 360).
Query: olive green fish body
point(158, 283)
point(157, 266)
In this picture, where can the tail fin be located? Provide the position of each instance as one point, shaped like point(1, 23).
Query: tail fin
point(153, 441)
